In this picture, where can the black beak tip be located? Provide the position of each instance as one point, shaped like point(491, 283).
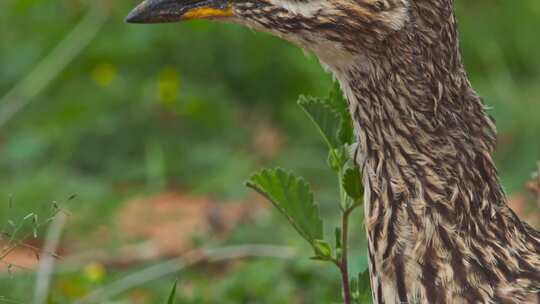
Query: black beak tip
point(134, 16)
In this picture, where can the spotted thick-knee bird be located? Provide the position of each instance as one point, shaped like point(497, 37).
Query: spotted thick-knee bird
point(437, 220)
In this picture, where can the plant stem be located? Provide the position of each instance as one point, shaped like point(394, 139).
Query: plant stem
point(344, 263)
point(46, 263)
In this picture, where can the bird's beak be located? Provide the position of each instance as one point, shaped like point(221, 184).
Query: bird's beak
point(160, 11)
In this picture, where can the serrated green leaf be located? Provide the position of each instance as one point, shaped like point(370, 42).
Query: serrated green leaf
point(292, 196)
point(337, 158)
point(354, 288)
point(340, 105)
point(324, 117)
point(322, 249)
point(364, 281)
point(336, 99)
point(364, 288)
point(364, 299)
point(346, 131)
point(352, 183)
point(172, 294)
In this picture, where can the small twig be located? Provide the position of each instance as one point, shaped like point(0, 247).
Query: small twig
point(14, 243)
point(46, 264)
point(52, 65)
point(177, 264)
point(344, 263)
point(73, 263)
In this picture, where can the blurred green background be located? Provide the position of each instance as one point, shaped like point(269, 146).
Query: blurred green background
point(178, 116)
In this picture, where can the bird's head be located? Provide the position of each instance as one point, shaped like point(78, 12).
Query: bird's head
point(332, 29)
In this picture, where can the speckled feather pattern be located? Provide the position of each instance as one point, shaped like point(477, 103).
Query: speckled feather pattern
point(438, 225)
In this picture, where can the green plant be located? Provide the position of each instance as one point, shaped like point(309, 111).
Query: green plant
point(293, 197)
point(15, 233)
point(172, 294)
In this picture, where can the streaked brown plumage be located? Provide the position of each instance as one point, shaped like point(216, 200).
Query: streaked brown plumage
point(438, 225)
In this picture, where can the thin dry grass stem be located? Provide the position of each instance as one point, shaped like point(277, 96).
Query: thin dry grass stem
point(189, 259)
point(47, 262)
point(53, 64)
point(8, 300)
point(14, 242)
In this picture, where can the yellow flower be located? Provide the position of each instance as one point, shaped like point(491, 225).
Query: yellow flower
point(104, 74)
point(94, 272)
point(169, 83)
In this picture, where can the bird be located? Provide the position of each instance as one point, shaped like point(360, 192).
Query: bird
point(438, 226)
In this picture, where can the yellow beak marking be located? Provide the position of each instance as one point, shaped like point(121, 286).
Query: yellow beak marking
point(207, 13)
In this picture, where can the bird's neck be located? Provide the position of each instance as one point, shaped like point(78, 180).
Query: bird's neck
point(432, 195)
point(425, 148)
point(424, 138)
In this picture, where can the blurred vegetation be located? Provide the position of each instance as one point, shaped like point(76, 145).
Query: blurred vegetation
point(187, 107)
